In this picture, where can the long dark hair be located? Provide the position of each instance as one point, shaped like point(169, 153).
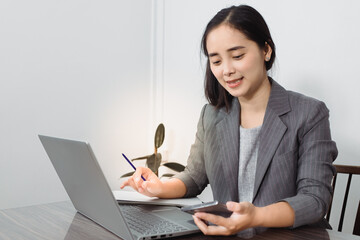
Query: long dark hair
point(248, 21)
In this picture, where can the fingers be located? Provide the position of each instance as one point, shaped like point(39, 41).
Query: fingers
point(200, 223)
point(215, 219)
point(135, 181)
point(130, 183)
point(137, 176)
point(233, 206)
point(210, 229)
point(124, 184)
point(151, 187)
point(239, 207)
point(239, 220)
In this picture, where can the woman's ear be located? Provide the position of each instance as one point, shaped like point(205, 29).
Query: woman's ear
point(267, 52)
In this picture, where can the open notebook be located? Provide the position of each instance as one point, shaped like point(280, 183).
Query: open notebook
point(133, 197)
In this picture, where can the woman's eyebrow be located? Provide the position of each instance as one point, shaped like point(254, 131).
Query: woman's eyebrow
point(229, 50)
point(213, 54)
point(235, 48)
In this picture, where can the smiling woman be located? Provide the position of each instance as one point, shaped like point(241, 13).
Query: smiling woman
point(266, 152)
point(236, 37)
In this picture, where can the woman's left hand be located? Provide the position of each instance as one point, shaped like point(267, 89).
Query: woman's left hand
point(244, 216)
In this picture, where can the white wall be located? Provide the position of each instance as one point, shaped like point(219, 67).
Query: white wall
point(317, 55)
point(77, 69)
point(109, 71)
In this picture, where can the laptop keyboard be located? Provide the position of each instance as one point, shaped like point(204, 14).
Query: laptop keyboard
point(147, 223)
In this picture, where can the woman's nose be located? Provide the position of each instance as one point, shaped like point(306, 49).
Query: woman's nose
point(228, 69)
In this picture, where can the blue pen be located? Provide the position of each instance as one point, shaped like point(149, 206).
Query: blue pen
point(132, 165)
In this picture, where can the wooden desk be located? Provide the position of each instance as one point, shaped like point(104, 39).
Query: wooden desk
point(61, 221)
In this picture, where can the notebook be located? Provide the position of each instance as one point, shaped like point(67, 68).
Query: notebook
point(130, 196)
point(85, 183)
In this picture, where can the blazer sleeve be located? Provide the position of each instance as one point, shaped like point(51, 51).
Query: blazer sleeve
point(315, 170)
point(194, 176)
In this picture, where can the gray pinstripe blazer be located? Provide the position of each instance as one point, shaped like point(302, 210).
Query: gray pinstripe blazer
point(294, 160)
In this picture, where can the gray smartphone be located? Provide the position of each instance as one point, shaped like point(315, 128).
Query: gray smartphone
point(213, 207)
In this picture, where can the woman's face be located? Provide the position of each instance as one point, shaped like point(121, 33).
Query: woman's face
point(236, 62)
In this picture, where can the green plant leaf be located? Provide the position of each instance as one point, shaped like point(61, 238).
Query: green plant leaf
point(168, 175)
point(159, 136)
point(175, 166)
point(141, 158)
point(129, 174)
point(153, 162)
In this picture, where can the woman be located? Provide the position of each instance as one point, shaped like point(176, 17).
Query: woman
point(266, 152)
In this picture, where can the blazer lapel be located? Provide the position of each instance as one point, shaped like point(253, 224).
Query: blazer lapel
point(272, 131)
point(228, 131)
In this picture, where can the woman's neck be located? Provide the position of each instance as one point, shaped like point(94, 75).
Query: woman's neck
point(253, 109)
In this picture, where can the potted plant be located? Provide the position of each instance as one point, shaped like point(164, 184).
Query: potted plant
point(154, 161)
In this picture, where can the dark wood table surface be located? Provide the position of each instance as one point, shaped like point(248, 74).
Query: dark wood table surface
point(61, 221)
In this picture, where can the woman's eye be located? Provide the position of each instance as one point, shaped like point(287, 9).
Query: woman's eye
point(216, 62)
point(239, 56)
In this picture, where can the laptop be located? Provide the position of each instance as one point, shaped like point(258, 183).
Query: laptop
point(85, 183)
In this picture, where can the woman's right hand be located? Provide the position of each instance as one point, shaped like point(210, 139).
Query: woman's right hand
point(152, 187)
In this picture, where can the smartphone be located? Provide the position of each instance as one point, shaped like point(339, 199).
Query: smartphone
point(213, 207)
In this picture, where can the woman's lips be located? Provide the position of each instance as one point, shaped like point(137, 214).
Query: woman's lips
point(234, 83)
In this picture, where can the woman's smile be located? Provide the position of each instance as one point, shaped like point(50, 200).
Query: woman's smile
point(234, 83)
